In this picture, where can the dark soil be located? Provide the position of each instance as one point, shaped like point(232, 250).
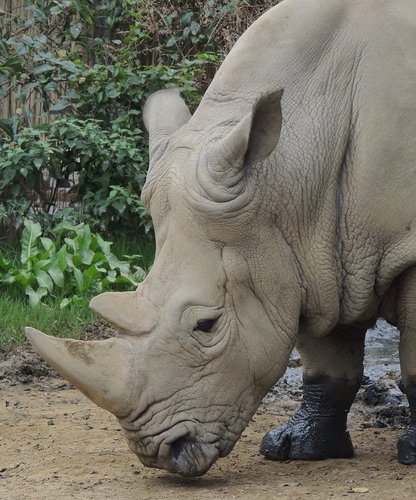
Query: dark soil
point(22, 365)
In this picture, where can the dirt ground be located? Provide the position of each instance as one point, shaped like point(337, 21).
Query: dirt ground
point(55, 444)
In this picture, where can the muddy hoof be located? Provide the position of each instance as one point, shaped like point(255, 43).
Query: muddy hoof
point(306, 438)
point(406, 447)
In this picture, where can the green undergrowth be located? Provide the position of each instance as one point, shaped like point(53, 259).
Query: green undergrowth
point(131, 245)
point(49, 315)
point(16, 313)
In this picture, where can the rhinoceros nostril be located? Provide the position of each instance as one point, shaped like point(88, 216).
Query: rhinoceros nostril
point(190, 456)
point(187, 457)
point(180, 446)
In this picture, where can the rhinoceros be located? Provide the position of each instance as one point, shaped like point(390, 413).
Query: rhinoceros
point(285, 214)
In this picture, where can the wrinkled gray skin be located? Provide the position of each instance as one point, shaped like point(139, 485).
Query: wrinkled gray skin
point(284, 209)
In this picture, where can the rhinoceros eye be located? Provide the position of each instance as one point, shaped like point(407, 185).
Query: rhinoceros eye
point(205, 325)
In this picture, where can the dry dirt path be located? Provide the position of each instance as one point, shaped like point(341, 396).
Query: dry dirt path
point(54, 444)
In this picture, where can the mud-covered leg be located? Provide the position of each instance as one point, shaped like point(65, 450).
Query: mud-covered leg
point(406, 445)
point(333, 369)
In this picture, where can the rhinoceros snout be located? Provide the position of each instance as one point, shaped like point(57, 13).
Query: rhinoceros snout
point(186, 456)
point(190, 457)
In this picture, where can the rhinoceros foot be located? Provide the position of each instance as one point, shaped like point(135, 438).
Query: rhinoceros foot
point(406, 447)
point(307, 437)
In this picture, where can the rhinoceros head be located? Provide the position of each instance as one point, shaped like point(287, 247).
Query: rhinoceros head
point(212, 326)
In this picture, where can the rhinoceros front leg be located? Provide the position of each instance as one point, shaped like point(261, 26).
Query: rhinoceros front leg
point(406, 445)
point(333, 369)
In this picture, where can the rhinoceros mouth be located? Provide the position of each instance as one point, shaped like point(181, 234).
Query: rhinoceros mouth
point(190, 457)
point(185, 454)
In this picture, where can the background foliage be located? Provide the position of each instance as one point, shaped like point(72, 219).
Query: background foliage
point(73, 150)
point(89, 65)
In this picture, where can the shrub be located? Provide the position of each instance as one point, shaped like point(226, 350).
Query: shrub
point(90, 161)
point(90, 65)
point(94, 151)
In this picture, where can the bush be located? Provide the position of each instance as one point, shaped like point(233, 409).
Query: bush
point(94, 151)
point(90, 65)
point(101, 169)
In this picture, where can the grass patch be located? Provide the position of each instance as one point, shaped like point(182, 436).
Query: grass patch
point(128, 245)
point(15, 314)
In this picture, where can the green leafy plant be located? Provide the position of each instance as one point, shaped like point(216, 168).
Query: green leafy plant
point(102, 171)
point(70, 59)
point(74, 263)
point(88, 67)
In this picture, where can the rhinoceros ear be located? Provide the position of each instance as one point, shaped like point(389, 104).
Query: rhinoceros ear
point(164, 113)
point(250, 141)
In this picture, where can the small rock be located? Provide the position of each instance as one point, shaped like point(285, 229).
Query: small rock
point(359, 489)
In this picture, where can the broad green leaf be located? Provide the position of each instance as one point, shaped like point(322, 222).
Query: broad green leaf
point(65, 303)
point(75, 30)
point(23, 277)
point(70, 259)
point(57, 276)
point(138, 275)
point(48, 245)
point(115, 263)
point(77, 261)
point(55, 10)
point(66, 227)
point(194, 27)
point(44, 280)
point(111, 276)
point(99, 259)
point(43, 68)
point(41, 264)
point(87, 256)
point(31, 233)
point(102, 270)
point(61, 259)
point(59, 106)
point(8, 279)
point(79, 278)
point(104, 245)
point(73, 245)
point(69, 66)
point(92, 273)
point(84, 240)
point(124, 280)
point(35, 296)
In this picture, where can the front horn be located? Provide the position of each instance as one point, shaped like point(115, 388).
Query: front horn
point(99, 369)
